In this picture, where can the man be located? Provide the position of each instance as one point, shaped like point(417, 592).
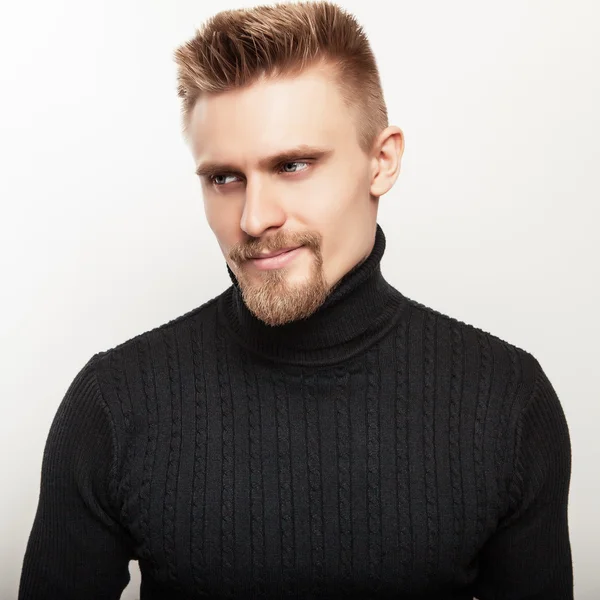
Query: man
point(311, 432)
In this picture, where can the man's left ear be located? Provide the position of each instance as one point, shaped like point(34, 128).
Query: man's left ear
point(386, 162)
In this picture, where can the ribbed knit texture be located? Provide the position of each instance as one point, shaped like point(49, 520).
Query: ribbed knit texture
point(378, 449)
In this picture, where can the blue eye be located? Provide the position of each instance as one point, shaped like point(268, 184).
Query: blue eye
point(213, 178)
point(294, 162)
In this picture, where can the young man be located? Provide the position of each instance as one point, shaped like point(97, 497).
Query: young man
point(311, 432)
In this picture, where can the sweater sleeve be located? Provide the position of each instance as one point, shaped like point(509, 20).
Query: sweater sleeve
point(529, 555)
point(76, 549)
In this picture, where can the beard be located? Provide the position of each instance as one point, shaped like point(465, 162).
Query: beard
point(269, 296)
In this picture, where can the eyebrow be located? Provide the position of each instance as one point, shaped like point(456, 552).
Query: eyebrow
point(303, 150)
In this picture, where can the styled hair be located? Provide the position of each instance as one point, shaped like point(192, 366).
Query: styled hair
point(236, 48)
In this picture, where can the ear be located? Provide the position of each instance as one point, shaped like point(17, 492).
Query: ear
point(387, 157)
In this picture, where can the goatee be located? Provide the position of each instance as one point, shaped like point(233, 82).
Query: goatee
point(268, 294)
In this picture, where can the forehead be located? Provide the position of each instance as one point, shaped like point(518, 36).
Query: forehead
point(271, 115)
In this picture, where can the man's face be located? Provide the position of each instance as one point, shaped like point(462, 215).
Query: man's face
point(318, 200)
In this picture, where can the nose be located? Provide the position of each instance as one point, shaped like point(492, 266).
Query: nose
point(262, 210)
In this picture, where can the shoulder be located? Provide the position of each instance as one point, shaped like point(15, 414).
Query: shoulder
point(427, 315)
point(148, 339)
point(495, 380)
point(133, 374)
point(500, 390)
point(482, 361)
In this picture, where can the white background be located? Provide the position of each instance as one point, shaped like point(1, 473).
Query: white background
point(493, 220)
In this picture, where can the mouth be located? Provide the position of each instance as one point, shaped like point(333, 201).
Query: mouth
point(275, 260)
point(274, 253)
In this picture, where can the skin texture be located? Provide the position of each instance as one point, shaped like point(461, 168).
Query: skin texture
point(327, 204)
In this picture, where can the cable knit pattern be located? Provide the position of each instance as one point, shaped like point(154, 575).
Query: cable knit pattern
point(456, 384)
point(315, 482)
point(378, 449)
point(124, 404)
point(228, 481)
point(402, 466)
point(510, 393)
point(256, 478)
point(170, 493)
point(286, 506)
point(428, 440)
point(344, 461)
point(200, 456)
point(149, 394)
point(482, 405)
point(373, 470)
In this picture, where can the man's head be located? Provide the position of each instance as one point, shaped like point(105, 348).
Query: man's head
point(285, 117)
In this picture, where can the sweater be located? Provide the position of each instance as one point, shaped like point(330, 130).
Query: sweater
point(377, 449)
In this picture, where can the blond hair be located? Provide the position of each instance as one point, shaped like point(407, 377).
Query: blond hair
point(235, 48)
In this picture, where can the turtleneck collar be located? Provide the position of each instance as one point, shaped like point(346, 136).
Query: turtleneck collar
point(362, 308)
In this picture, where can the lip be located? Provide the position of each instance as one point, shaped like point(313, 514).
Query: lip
point(275, 260)
point(276, 252)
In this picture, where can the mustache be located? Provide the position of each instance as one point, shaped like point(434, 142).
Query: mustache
point(246, 250)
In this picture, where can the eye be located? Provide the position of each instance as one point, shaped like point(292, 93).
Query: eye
point(294, 162)
point(213, 179)
point(215, 183)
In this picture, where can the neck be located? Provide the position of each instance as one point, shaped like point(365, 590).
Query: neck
point(359, 311)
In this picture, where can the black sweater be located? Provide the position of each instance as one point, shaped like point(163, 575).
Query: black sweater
point(378, 449)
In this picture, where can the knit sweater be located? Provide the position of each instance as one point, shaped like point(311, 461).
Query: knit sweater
point(377, 449)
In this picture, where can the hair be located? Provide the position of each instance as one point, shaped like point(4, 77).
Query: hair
point(235, 48)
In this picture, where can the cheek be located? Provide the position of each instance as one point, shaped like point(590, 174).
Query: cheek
point(222, 214)
point(220, 227)
point(322, 198)
point(332, 200)
point(210, 212)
